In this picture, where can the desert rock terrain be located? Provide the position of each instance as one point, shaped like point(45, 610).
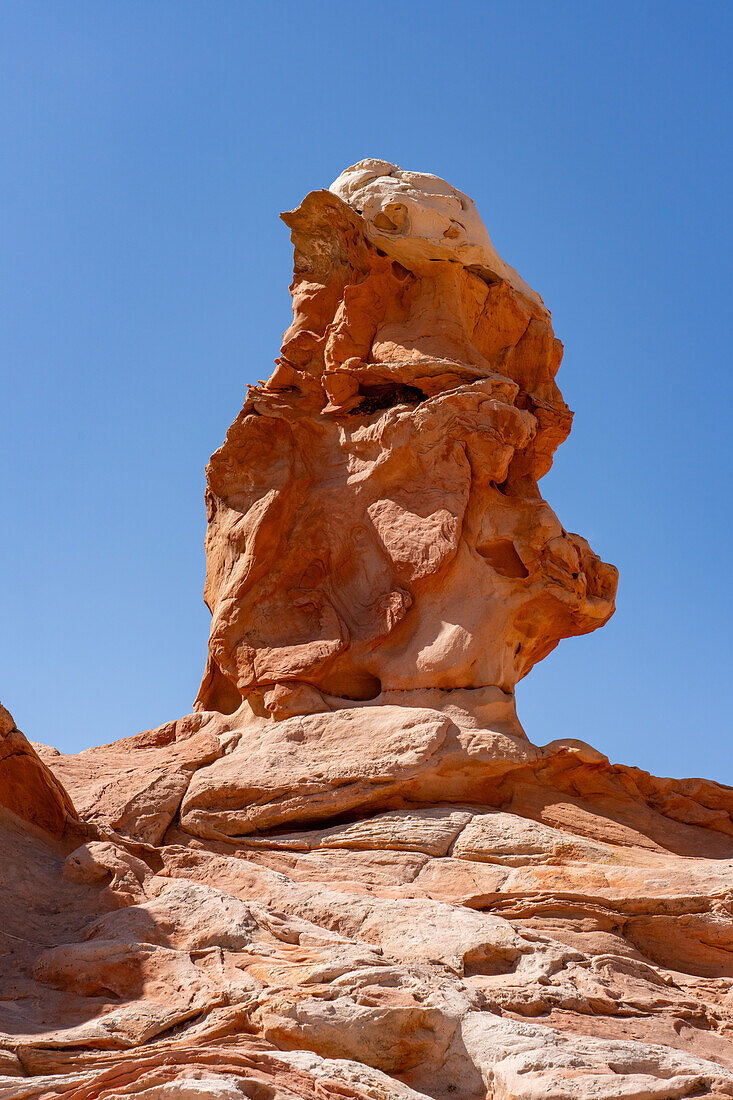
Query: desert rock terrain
point(349, 874)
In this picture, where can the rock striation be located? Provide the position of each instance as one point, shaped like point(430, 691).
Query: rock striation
point(348, 873)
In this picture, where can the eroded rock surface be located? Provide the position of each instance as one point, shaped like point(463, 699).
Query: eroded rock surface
point(389, 468)
point(349, 874)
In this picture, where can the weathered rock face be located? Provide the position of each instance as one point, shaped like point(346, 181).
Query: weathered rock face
point(28, 789)
point(349, 874)
point(389, 468)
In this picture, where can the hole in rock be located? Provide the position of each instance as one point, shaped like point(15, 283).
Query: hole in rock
point(488, 962)
point(374, 398)
point(389, 803)
point(383, 222)
point(484, 274)
point(222, 695)
point(353, 684)
point(399, 271)
point(316, 820)
point(503, 558)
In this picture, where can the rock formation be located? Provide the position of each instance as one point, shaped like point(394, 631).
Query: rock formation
point(349, 874)
point(389, 468)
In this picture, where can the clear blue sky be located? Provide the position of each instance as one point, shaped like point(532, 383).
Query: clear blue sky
point(147, 148)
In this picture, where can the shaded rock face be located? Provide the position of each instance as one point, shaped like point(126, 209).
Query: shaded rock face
point(349, 874)
point(28, 789)
point(389, 467)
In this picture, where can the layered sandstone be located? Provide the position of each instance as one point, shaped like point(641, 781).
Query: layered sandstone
point(349, 873)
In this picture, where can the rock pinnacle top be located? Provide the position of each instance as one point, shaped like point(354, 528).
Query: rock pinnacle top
point(416, 217)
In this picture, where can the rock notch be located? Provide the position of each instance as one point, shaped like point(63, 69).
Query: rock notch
point(349, 873)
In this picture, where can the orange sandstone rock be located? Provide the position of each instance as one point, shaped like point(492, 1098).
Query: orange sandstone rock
point(28, 788)
point(349, 874)
point(390, 465)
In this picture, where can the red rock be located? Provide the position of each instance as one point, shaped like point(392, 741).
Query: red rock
point(27, 787)
point(389, 466)
point(136, 785)
point(350, 874)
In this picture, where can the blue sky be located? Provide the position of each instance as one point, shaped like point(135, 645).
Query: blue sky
point(147, 150)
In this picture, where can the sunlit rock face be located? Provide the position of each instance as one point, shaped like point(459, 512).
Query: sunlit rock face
point(374, 517)
point(349, 875)
point(417, 218)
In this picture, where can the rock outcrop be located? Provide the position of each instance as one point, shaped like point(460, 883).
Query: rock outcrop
point(374, 517)
point(349, 873)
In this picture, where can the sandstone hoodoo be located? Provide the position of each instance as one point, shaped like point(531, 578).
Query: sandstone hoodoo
point(349, 873)
point(375, 523)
